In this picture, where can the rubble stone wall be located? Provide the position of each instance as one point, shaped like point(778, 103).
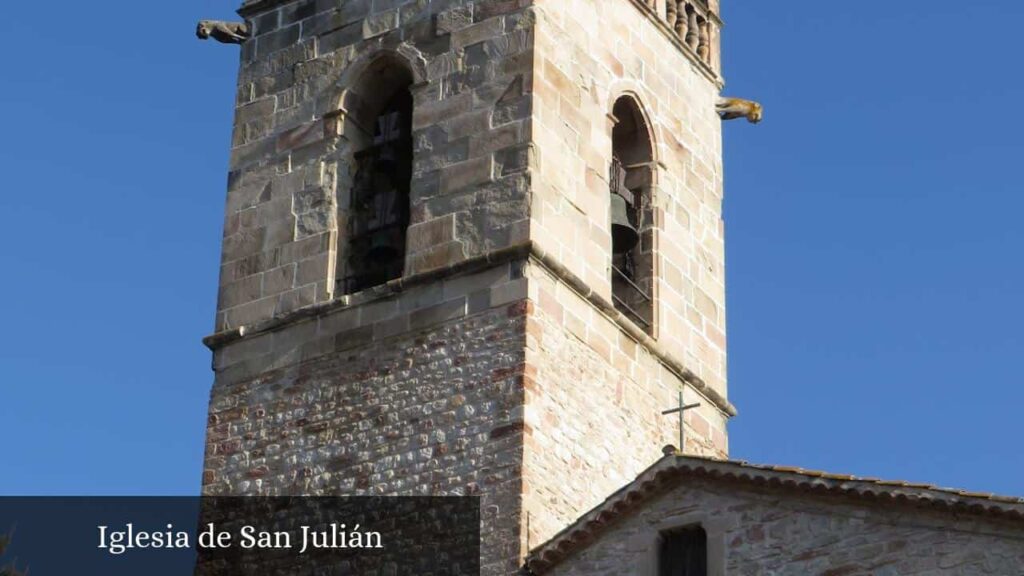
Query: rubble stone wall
point(416, 393)
point(761, 533)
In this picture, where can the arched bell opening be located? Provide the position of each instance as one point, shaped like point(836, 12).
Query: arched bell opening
point(631, 180)
point(379, 129)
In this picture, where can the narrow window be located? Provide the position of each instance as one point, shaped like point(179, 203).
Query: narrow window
point(378, 215)
point(683, 552)
point(632, 228)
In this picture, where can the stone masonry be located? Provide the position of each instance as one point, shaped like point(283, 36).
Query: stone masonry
point(595, 410)
point(497, 365)
point(291, 158)
point(794, 524)
point(421, 394)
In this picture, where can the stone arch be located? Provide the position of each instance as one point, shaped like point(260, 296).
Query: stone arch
point(629, 113)
point(635, 92)
point(373, 117)
point(359, 87)
point(632, 176)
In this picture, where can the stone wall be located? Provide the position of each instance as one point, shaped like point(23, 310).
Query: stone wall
point(594, 394)
point(780, 533)
point(588, 54)
point(294, 137)
point(594, 398)
point(414, 393)
point(512, 142)
point(474, 373)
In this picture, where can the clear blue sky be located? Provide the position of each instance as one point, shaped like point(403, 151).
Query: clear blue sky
point(874, 240)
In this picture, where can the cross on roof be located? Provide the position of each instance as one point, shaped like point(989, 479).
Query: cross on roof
point(681, 409)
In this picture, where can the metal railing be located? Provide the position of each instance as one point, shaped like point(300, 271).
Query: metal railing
point(634, 293)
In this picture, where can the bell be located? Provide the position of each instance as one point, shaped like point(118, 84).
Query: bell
point(624, 235)
point(387, 160)
point(382, 248)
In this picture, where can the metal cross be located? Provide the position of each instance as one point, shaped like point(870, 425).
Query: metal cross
point(682, 411)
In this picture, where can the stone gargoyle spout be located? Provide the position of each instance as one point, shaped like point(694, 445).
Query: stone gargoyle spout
point(732, 108)
point(224, 32)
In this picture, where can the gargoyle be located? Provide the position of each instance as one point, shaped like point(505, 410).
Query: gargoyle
point(225, 32)
point(732, 108)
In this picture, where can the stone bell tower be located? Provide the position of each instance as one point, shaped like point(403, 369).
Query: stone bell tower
point(470, 247)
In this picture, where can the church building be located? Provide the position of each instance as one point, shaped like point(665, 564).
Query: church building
point(475, 247)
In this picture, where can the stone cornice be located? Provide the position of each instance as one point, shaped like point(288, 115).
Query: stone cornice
point(607, 308)
point(253, 8)
point(387, 290)
point(518, 252)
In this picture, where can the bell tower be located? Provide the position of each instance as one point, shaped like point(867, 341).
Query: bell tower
point(470, 247)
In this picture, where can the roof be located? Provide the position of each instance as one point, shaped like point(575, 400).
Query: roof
point(674, 469)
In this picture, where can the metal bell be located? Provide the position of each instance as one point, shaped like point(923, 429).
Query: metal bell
point(382, 248)
point(624, 235)
point(386, 159)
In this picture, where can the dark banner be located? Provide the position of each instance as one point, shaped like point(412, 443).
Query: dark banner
point(226, 536)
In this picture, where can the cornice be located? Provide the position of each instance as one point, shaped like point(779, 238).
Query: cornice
point(525, 250)
point(253, 8)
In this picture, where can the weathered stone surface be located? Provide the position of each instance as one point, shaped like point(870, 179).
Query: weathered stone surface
point(432, 233)
point(437, 314)
point(582, 65)
point(380, 23)
point(396, 412)
point(468, 173)
point(438, 257)
point(280, 39)
point(596, 401)
point(454, 19)
point(508, 378)
point(768, 532)
point(304, 135)
point(500, 382)
point(279, 280)
point(306, 55)
point(312, 223)
point(314, 212)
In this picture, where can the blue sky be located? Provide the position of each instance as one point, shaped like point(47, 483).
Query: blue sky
point(873, 233)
